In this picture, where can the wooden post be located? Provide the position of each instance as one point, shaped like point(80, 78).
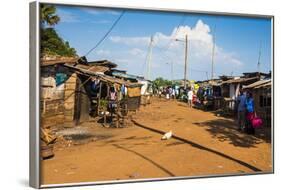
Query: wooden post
point(99, 96)
point(185, 62)
point(117, 110)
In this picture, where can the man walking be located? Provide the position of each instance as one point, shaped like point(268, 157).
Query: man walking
point(190, 96)
point(241, 101)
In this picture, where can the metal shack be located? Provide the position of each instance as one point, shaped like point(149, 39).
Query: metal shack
point(262, 94)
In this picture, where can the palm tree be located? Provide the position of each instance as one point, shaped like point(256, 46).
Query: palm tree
point(48, 15)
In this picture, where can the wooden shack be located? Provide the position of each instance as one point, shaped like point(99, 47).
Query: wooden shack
point(230, 88)
point(57, 93)
point(87, 74)
point(262, 94)
point(67, 94)
point(134, 98)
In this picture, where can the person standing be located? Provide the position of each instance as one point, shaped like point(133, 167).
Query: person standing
point(173, 93)
point(167, 93)
point(189, 97)
point(250, 113)
point(241, 110)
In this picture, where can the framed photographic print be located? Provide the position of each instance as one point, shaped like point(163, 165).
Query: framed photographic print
point(127, 94)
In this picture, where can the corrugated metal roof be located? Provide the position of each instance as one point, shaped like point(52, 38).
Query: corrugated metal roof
point(55, 61)
point(239, 80)
point(101, 76)
point(258, 83)
point(98, 69)
point(124, 75)
point(105, 63)
point(266, 85)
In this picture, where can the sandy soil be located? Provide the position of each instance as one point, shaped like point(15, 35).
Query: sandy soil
point(204, 144)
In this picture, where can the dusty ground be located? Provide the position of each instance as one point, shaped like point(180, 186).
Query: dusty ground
point(205, 144)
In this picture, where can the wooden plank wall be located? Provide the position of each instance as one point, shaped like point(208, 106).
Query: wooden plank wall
point(265, 111)
point(52, 108)
point(57, 102)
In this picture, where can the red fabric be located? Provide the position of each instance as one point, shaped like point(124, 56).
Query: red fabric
point(255, 120)
point(194, 98)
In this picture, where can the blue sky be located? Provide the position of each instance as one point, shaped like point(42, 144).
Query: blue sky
point(237, 41)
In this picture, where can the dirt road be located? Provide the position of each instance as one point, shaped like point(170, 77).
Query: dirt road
point(204, 144)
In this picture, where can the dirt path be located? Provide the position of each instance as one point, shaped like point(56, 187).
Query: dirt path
point(205, 145)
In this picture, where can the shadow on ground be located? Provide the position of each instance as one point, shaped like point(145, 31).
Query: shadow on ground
point(225, 130)
point(147, 159)
point(201, 147)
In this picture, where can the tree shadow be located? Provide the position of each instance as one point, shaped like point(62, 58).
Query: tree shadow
point(201, 147)
point(226, 130)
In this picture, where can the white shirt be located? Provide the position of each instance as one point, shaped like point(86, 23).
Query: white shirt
point(190, 94)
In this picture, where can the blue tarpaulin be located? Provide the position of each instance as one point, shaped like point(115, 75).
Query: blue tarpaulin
point(60, 78)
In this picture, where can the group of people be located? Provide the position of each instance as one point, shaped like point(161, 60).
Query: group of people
point(246, 111)
point(174, 93)
point(169, 92)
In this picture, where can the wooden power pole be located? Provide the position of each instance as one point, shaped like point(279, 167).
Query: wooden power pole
point(149, 59)
point(213, 52)
point(185, 61)
point(213, 55)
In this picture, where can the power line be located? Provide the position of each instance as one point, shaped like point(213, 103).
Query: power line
point(106, 34)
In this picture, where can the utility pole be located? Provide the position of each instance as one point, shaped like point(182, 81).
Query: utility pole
point(185, 61)
point(149, 58)
point(213, 53)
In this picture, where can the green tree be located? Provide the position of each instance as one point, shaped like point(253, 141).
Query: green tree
point(48, 15)
point(160, 82)
point(51, 42)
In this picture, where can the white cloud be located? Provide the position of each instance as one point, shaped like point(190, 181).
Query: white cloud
point(97, 11)
point(100, 21)
point(122, 61)
point(66, 16)
point(133, 41)
point(103, 52)
point(167, 49)
point(137, 52)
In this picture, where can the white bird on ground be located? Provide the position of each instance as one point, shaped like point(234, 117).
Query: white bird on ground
point(167, 136)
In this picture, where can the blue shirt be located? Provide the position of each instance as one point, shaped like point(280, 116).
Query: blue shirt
point(250, 105)
point(242, 102)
